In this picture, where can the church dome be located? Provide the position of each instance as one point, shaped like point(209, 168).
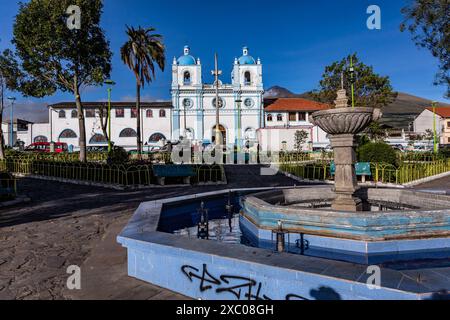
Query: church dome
point(246, 59)
point(186, 59)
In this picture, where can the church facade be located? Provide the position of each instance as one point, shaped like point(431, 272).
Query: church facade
point(241, 103)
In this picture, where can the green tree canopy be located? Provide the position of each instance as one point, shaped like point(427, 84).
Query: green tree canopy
point(143, 49)
point(371, 89)
point(48, 56)
point(428, 22)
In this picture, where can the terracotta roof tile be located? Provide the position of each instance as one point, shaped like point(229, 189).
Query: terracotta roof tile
point(444, 112)
point(294, 104)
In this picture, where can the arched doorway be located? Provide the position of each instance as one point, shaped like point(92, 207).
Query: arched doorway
point(223, 132)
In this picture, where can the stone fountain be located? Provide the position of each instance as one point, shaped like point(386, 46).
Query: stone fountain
point(343, 123)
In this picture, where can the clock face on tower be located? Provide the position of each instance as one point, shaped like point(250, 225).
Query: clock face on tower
point(187, 103)
point(221, 103)
point(248, 102)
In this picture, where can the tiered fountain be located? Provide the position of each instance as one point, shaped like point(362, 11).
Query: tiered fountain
point(354, 219)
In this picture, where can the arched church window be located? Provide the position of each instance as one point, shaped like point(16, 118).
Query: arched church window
point(280, 117)
point(74, 114)
point(162, 113)
point(62, 114)
point(68, 134)
point(187, 78)
point(98, 139)
point(247, 78)
point(128, 133)
point(149, 113)
point(40, 139)
point(269, 118)
point(156, 137)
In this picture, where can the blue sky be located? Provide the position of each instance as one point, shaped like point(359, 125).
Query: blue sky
point(294, 39)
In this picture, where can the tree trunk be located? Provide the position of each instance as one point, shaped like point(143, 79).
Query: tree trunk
point(138, 118)
point(81, 125)
point(2, 139)
point(104, 118)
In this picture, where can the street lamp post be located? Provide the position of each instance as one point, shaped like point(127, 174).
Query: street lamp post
point(435, 146)
point(11, 129)
point(110, 84)
point(352, 81)
point(239, 125)
point(216, 73)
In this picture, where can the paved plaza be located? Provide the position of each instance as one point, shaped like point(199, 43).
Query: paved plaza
point(68, 224)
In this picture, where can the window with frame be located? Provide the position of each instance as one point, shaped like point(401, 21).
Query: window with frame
point(187, 78)
point(62, 114)
point(302, 116)
point(74, 114)
point(269, 118)
point(292, 116)
point(247, 78)
point(162, 113)
point(149, 113)
point(120, 113)
point(279, 117)
point(448, 125)
point(134, 112)
point(90, 113)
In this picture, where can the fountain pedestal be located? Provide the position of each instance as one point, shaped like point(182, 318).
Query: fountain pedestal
point(343, 124)
point(346, 184)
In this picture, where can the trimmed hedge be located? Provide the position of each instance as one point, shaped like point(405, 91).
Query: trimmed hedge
point(377, 152)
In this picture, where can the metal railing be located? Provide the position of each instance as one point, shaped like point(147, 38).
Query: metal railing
point(101, 173)
point(381, 173)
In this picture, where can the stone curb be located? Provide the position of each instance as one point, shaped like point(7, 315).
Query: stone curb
point(18, 200)
point(115, 186)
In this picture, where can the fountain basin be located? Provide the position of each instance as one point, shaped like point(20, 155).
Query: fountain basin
point(345, 120)
point(204, 269)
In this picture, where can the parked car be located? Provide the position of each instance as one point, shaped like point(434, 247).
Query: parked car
point(44, 147)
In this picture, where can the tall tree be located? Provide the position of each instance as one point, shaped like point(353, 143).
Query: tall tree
point(428, 22)
point(371, 89)
point(300, 139)
point(49, 56)
point(7, 80)
point(140, 53)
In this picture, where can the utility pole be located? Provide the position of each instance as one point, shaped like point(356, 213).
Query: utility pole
point(239, 125)
point(435, 146)
point(216, 73)
point(352, 81)
point(110, 83)
point(11, 129)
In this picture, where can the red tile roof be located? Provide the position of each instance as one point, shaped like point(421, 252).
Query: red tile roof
point(294, 104)
point(444, 112)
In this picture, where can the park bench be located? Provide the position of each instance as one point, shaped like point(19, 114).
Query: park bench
point(362, 170)
point(161, 172)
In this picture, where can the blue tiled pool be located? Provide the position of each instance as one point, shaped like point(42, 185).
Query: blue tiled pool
point(182, 219)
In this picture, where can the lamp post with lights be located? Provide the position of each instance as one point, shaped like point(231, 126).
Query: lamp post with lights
point(11, 130)
point(110, 84)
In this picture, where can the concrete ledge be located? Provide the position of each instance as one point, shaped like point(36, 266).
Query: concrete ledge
point(113, 186)
point(429, 179)
point(18, 200)
point(211, 270)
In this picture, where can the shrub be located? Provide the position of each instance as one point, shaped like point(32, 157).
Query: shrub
point(118, 155)
point(377, 152)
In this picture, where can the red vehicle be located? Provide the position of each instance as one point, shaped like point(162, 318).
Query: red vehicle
point(45, 147)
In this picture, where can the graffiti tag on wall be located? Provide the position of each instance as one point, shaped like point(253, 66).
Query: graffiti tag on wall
point(240, 287)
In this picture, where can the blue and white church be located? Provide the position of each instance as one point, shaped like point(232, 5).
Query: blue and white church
point(241, 103)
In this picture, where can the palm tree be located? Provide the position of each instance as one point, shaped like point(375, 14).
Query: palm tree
point(140, 53)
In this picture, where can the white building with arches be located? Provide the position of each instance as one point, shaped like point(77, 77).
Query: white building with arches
point(246, 119)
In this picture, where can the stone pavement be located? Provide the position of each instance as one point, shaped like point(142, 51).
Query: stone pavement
point(437, 185)
point(68, 224)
